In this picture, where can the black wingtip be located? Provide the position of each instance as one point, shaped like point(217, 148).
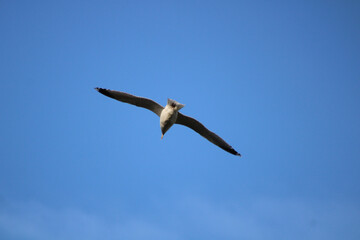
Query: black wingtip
point(235, 153)
point(101, 90)
point(232, 151)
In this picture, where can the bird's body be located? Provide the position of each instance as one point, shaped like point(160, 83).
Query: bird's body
point(169, 116)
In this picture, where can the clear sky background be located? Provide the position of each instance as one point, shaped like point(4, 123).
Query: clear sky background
point(278, 80)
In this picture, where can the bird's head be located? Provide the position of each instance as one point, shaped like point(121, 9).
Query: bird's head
point(174, 104)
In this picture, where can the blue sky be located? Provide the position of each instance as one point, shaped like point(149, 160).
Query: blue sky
point(278, 80)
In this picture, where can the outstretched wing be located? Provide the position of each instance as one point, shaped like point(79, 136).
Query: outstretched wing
point(206, 133)
point(131, 99)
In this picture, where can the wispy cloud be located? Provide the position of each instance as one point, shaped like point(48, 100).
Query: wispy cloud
point(38, 222)
point(190, 218)
point(276, 218)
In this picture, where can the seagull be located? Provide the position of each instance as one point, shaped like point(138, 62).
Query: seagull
point(169, 115)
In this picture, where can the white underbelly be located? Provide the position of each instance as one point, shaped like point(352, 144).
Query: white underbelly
point(167, 118)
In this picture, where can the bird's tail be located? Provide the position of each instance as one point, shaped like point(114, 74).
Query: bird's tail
point(175, 104)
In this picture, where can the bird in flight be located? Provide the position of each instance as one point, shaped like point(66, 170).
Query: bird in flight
point(169, 115)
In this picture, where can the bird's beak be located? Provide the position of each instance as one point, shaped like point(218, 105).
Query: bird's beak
point(162, 135)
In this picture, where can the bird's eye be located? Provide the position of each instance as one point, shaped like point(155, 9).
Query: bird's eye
point(173, 105)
